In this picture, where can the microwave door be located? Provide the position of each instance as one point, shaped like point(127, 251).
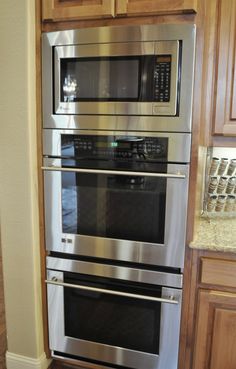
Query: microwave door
point(102, 79)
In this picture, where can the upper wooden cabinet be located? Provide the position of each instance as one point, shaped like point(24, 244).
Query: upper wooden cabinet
point(145, 7)
point(62, 10)
point(225, 88)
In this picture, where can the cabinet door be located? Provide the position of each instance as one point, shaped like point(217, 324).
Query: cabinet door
point(142, 7)
point(215, 343)
point(225, 91)
point(59, 10)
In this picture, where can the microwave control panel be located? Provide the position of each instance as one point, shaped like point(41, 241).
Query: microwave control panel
point(162, 77)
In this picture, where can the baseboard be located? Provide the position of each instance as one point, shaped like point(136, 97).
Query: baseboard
point(14, 361)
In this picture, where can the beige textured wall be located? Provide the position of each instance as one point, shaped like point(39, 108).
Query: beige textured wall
point(18, 178)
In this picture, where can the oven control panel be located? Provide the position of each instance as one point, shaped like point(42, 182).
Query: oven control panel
point(114, 147)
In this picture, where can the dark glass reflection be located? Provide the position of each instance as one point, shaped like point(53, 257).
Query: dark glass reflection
point(120, 207)
point(100, 79)
point(113, 320)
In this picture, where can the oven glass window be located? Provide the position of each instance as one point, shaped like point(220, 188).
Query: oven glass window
point(112, 320)
point(114, 206)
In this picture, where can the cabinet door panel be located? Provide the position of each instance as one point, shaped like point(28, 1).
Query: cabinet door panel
point(59, 10)
point(224, 341)
point(215, 341)
point(225, 91)
point(141, 7)
point(218, 272)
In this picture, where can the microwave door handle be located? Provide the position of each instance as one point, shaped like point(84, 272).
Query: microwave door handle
point(170, 300)
point(116, 172)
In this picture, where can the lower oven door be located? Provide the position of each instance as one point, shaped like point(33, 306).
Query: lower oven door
point(103, 320)
point(135, 217)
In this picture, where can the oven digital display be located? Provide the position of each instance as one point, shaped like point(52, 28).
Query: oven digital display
point(114, 144)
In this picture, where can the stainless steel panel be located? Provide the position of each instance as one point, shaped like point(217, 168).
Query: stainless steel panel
point(179, 144)
point(171, 253)
point(113, 271)
point(103, 35)
point(169, 334)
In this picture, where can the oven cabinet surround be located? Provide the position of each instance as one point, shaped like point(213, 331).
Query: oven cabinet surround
point(62, 10)
point(214, 342)
point(224, 115)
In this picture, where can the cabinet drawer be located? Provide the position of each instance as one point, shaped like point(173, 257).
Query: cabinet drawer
point(218, 272)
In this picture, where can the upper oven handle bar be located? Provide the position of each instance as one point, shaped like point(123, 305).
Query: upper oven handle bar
point(171, 300)
point(118, 172)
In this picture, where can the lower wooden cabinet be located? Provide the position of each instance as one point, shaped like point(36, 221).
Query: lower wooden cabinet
point(211, 318)
point(215, 342)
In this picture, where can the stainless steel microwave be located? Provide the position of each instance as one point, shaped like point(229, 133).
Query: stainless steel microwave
point(142, 73)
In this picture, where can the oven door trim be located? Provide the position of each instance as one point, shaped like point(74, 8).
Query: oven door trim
point(113, 271)
point(170, 322)
point(170, 254)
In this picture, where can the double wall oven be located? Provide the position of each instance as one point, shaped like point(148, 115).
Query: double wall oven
point(116, 144)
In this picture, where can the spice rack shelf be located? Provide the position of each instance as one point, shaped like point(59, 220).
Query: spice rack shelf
point(219, 199)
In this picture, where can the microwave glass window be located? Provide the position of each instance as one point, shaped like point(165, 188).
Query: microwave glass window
point(113, 206)
point(93, 316)
point(100, 79)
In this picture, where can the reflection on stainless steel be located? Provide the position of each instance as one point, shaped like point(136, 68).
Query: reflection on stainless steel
point(118, 272)
point(118, 41)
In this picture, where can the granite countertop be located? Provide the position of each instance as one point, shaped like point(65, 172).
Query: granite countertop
point(215, 233)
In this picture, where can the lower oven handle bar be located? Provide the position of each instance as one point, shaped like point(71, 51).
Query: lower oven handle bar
point(171, 300)
point(118, 172)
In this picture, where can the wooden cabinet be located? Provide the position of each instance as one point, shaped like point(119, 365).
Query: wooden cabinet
point(144, 7)
point(224, 120)
point(64, 10)
point(215, 345)
point(215, 330)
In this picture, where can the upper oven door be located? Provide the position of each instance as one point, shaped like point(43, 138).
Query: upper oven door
point(113, 214)
point(138, 78)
